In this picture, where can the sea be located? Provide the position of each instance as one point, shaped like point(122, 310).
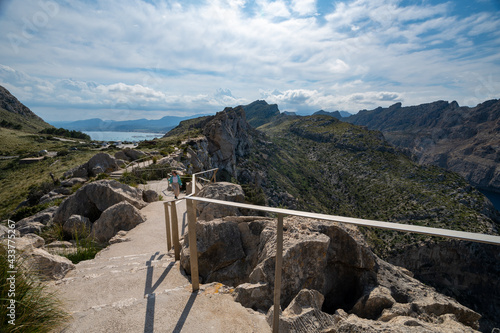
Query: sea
point(122, 136)
point(494, 198)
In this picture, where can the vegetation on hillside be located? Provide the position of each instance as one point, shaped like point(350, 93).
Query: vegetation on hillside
point(66, 133)
point(337, 168)
point(20, 122)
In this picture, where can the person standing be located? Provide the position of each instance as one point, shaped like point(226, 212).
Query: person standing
point(176, 182)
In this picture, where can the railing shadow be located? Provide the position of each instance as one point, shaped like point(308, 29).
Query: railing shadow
point(149, 289)
point(185, 312)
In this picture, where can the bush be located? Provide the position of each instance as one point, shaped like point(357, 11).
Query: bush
point(36, 309)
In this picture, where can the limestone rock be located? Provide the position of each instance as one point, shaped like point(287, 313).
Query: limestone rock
point(37, 222)
point(304, 314)
point(73, 181)
point(219, 247)
point(94, 198)
point(48, 265)
point(150, 196)
point(4, 232)
point(120, 237)
point(27, 243)
point(49, 197)
point(129, 154)
point(220, 191)
point(59, 244)
point(121, 216)
point(99, 163)
point(324, 258)
point(77, 225)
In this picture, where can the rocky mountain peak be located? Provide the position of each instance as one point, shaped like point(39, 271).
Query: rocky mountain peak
point(260, 112)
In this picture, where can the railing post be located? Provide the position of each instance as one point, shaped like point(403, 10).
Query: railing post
point(193, 182)
point(277, 274)
point(193, 248)
point(167, 225)
point(175, 231)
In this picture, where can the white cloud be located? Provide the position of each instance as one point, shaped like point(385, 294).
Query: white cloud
point(304, 7)
point(157, 55)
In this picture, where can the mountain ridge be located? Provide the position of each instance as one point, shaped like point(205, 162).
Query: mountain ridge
point(465, 140)
point(161, 125)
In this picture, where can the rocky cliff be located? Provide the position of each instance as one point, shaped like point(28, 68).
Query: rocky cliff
point(461, 139)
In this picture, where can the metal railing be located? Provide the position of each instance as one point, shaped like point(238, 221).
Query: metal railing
point(193, 250)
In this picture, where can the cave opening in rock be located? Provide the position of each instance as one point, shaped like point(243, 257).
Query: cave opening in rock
point(347, 286)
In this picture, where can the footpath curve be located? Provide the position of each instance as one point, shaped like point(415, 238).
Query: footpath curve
point(136, 286)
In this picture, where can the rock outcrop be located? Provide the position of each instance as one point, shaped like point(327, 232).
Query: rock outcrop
point(94, 198)
point(326, 258)
point(220, 191)
point(466, 271)
point(226, 138)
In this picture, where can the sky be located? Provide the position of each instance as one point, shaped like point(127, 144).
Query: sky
point(130, 59)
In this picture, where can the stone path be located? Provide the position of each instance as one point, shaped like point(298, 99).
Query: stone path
point(136, 286)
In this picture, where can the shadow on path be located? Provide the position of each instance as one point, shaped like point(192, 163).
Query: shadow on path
point(149, 289)
point(185, 312)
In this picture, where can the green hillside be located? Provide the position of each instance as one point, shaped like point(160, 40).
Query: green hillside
point(17, 121)
point(338, 168)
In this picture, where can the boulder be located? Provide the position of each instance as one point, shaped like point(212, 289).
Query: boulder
point(27, 243)
point(48, 265)
point(219, 247)
point(121, 216)
point(129, 154)
point(77, 225)
point(99, 163)
point(73, 181)
point(220, 191)
point(37, 222)
point(305, 312)
point(92, 199)
point(51, 196)
point(150, 196)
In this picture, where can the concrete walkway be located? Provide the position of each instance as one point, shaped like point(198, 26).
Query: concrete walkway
point(136, 286)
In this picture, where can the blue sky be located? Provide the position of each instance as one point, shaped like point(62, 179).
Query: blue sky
point(128, 59)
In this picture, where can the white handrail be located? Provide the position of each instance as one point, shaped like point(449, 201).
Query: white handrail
point(469, 236)
point(193, 190)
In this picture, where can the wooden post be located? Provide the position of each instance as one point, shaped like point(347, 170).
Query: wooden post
point(193, 248)
point(175, 231)
point(277, 274)
point(167, 225)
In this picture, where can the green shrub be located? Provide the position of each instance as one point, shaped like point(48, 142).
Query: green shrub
point(36, 309)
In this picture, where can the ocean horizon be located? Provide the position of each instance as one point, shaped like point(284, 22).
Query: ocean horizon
point(122, 136)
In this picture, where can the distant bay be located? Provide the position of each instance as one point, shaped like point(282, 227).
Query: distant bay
point(122, 136)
